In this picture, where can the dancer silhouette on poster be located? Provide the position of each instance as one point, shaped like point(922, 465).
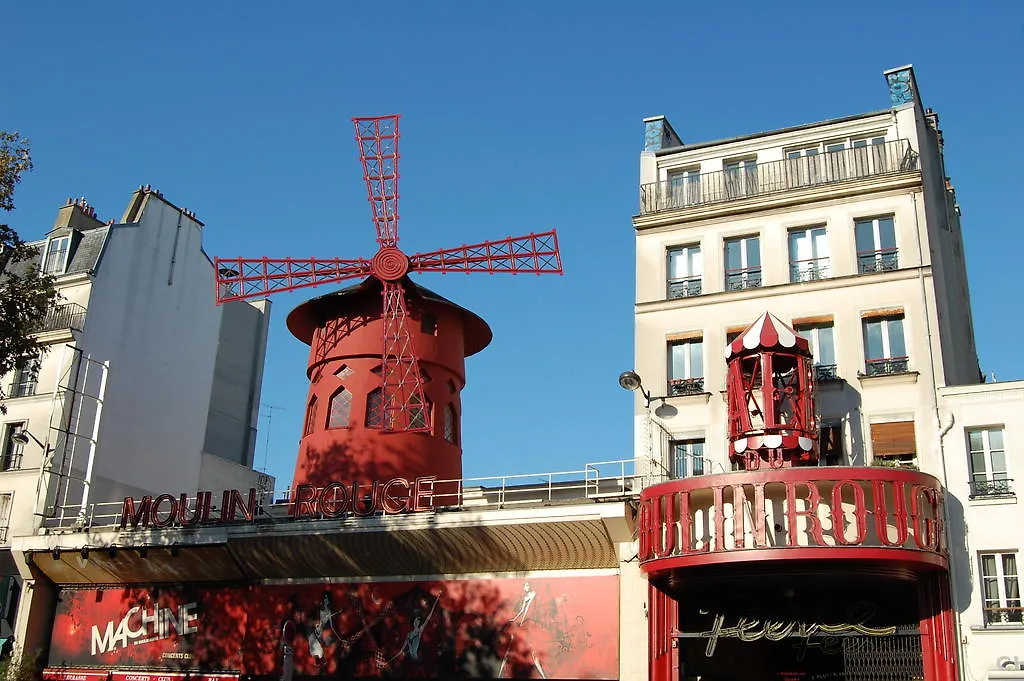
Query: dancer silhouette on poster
point(516, 624)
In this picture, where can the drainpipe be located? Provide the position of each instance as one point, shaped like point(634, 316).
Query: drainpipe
point(941, 433)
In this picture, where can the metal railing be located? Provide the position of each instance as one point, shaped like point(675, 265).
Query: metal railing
point(812, 269)
point(1010, 615)
point(824, 373)
point(602, 479)
point(686, 386)
point(684, 287)
point(11, 461)
point(887, 366)
point(883, 260)
point(3, 534)
point(66, 316)
point(832, 167)
point(992, 488)
point(737, 280)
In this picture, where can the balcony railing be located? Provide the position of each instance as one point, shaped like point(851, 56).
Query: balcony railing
point(684, 288)
point(3, 534)
point(686, 386)
point(1010, 615)
point(66, 316)
point(11, 461)
point(775, 177)
point(737, 280)
point(810, 270)
point(992, 488)
point(823, 373)
point(884, 260)
point(887, 366)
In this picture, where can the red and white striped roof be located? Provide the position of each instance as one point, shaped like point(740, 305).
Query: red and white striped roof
point(768, 333)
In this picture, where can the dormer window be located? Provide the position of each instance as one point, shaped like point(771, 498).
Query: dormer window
point(55, 258)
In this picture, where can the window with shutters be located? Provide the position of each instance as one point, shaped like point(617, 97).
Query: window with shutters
point(893, 444)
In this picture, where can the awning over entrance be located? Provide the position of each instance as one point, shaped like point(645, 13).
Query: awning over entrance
point(553, 537)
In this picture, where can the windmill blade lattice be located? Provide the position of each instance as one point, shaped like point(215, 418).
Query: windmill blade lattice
point(404, 406)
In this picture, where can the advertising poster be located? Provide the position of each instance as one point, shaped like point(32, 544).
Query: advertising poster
point(544, 627)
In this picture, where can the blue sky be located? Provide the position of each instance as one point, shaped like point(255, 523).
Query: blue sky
point(517, 117)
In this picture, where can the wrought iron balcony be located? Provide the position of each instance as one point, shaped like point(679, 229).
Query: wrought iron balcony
point(884, 260)
point(686, 386)
point(66, 316)
point(737, 280)
point(3, 534)
point(11, 461)
point(823, 373)
point(764, 179)
point(991, 488)
point(887, 366)
point(684, 288)
point(1011, 615)
point(810, 270)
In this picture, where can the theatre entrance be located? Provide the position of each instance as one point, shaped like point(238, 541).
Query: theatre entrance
point(799, 628)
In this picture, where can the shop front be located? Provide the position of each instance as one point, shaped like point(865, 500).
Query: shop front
point(802, 574)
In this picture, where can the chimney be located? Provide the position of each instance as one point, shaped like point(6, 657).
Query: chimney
point(76, 214)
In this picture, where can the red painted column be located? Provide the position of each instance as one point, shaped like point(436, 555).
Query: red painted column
point(938, 628)
point(662, 623)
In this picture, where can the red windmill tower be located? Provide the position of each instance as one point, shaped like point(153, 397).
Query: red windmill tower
point(386, 356)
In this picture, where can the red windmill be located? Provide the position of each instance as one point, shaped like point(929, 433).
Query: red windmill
point(400, 400)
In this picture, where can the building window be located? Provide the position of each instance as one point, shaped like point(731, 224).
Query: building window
point(418, 415)
point(686, 367)
point(742, 263)
point(687, 458)
point(876, 245)
point(821, 339)
point(375, 408)
point(310, 417)
point(740, 178)
point(893, 443)
point(12, 451)
point(340, 409)
point(1000, 589)
point(450, 420)
point(6, 504)
point(830, 444)
point(25, 380)
point(808, 254)
point(989, 477)
point(803, 166)
point(684, 187)
point(56, 255)
point(685, 269)
point(428, 324)
point(885, 350)
point(344, 371)
point(869, 156)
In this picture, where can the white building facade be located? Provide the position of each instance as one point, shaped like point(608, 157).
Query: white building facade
point(849, 231)
point(145, 384)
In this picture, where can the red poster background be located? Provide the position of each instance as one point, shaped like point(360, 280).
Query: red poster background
point(561, 627)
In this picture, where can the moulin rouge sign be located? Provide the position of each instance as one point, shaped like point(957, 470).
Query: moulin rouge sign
point(785, 509)
point(334, 500)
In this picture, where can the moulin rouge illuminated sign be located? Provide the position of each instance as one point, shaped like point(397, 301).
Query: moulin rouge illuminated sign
point(334, 500)
point(686, 518)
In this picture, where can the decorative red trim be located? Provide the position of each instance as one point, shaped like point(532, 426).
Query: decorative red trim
point(921, 559)
point(53, 674)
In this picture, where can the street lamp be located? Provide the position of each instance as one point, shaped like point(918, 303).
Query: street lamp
point(630, 380)
point(23, 436)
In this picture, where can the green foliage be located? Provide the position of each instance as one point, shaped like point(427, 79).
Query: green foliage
point(25, 294)
point(25, 667)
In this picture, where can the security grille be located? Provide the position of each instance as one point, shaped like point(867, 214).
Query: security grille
point(883, 658)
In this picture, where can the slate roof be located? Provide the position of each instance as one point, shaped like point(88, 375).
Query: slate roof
point(86, 248)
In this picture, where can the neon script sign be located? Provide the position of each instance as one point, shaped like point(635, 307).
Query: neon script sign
point(334, 500)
